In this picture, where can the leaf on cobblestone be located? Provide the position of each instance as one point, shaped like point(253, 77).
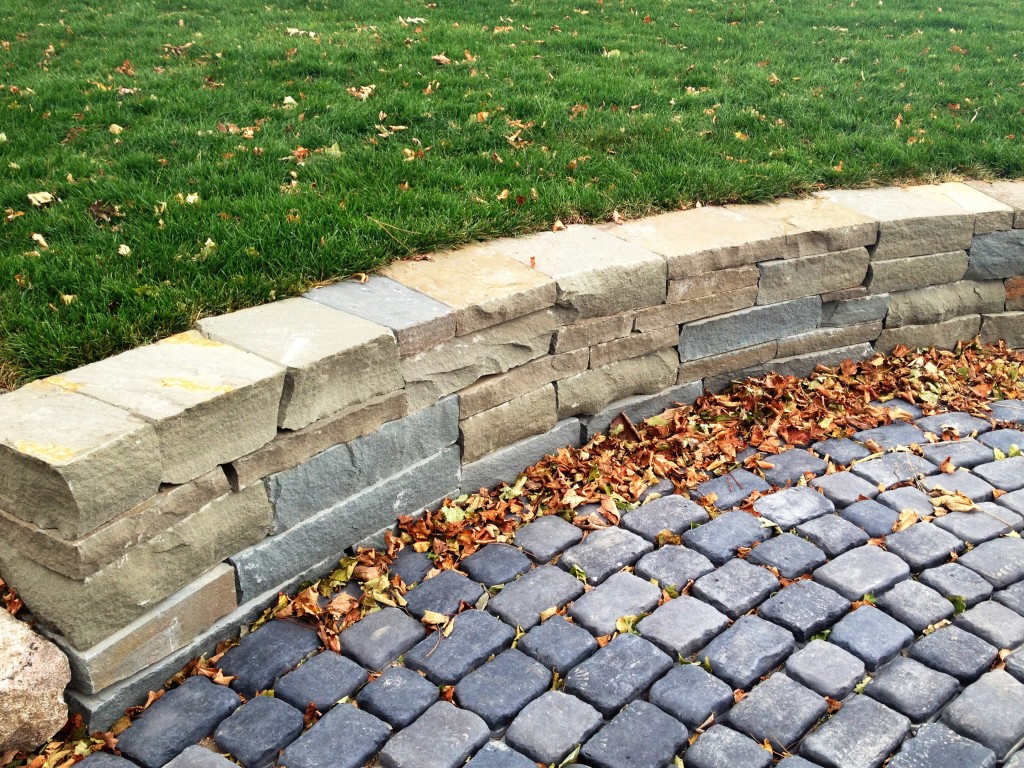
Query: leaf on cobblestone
point(833, 705)
point(906, 519)
point(947, 467)
point(933, 627)
point(859, 688)
point(738, 695)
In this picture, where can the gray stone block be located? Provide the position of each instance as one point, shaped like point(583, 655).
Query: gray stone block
point(892, 275)
point(790, 555)
point(590, 392)
point(840, 314)
point(499, 690)
point(991, 712)
point(444, 593)
point(558, 644)
point(893, 468)
point(748, 327)
point(749, 649)
point(898, 434)
point(640, 407)
point(621, 594)
point(673, 566)
point(506, 464)
point(641, 735)
point(1006, 475)
point(380, 637)
point(913, 604)
point(674, 514)
point(786, 279)
point(546, 537)
point(996, 255)
point(322, 681)
point(860, 735)
point(955, 652)
point(518, 419)
point(200, 757)
point(844, 488)
point(938, 303)
point(1004, 439)
point(732, 488)
point(682, 626)
point(871, 635)
point(498, 755)
point(1000, 562)
point(832, 534)
point(1011, 411)
point(862, 571)
point(779, 711)
point(496, 564)
point(994, 623)
point(961, 481)
point(736, 587)
point(826, 669)
point(966, 453)
point(923, 545)
point(912, 689)
point(720, 747)
point(1012, 597)
point(942, 335)
point(398, 696)
point(908, 497)
point(444, 736)
point(258, 730)
point(446, 659)
point(604, 552)
point(264, 655)
point(983, 523)
point(691, 695)
point(521, 603)
point(790, 507)
point(617, 674)
point(805, 608)
point(962, 425)
point(875, 519)
point(550, 727)
point(935, 744)
point(954, 580)
point(720, 539)
point(840, 450)
point(790, 466)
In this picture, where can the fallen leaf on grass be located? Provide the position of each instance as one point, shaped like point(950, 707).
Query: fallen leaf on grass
point(362, 92)
point(441, 60)
point(558, 226)
point(36, 237)
point(124, 250)
point(40, 199)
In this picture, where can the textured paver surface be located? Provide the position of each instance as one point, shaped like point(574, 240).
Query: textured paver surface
point(842, 620)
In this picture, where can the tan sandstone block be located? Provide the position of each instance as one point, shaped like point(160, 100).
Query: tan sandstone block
point(1008, 326)
point(712, 283)
point(332, 360)
point(809, 275)
point(653, 318)
point(634, 345)
point(943, 335)
point(1010, 193)
point(990, 215)
point(586, 333)
point(916, 272)
point(525, 416)
point(596, 274)
point(822, 339)
point(71, 463)
point(942, 302)
point(209, 402)
point(1015, 293)
point(492, 391)
point(484, 286)
point(592, 390)
point(729, 362)
point(813, 225)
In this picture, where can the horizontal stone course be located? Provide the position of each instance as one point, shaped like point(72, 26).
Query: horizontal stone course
point(916, 271)
point(527, 415)
point(788, 279)
point(937, 303)
point(590, 391)
point(748, 327)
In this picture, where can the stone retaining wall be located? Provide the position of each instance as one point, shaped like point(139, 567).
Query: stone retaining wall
point(152, 502)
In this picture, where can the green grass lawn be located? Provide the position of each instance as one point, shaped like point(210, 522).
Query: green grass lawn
point(203, 159)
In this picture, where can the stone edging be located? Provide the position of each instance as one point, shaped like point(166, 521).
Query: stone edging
point(152, 502)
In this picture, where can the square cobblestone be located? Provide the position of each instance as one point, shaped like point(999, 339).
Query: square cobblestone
point(805, 608)
point(962, 481)
point(669, 513)
point(266, 654)
point(875, 519)
point(893, 468)
point(683, 626)
point(550, 727)
point(934, 745)
point(546, 537)
point(790, 555)
point(442, 737)
point(748, 650)
point(258, 730)
point(640, 736)
point(498, 690)
point(1012, 597)
point(790, 507)
point(604, 552)
point(844, 488)
point(1008, 410)
point(411, 566)
point(381, 637)
point(984, 523)
point(345, 737)
point(673, 566)
point(443, 593)
point(1004, 440)
point(498, 755)
point(994, 623)
point(622, 594)
point(474, 637)
point(778, 710)
point(398, 696)
point(832, 534)
point(736, 587)
point(1015, 665)
point(862, 571)
point(898, 434)
point(912, 689)
point(991, 712)
point(871, 635)
point(1013, 502)
point(959, 423)
point(907, 497)
point(558, 644)
point(790, 466)
point(618, 673)
point(521, 603)
point(720, 539)
point(1000, 562)
point(321, 681)
point(691, 695)
point(840, 450)
point(915, 605)
point(721, 747)
point(923, 546)
point(199, 757)
point(732, 488)
point(860, 735)
point(795, 761)
point(496, 564)
point(955, 652)
point(826, 669)
point(966, 453)
point(954, 580)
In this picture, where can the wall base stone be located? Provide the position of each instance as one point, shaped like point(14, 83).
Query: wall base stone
point(943, 335)
point(504, 466)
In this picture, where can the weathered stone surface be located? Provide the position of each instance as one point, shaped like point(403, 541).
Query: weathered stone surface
point(683, 626)
point(324, 535)
point(1015, 294)
point(550, 727)
point(943, 335)
point(847, 294)
point(86, 612)
point(596, 273)
point(604, 552)
point(258, 730)
point(346, 737)
point(634, 345)
point(990, 711)
point(812, 225)
point(907, 273)
point(491, 391)
point(826, 669)
point(839, 314)
point(480, 283)
point(691, 695)
point(169, 625)
point(797, 365)
point(346, 470)
point(787, 279)
point(398, 696)
point(640, 407)
point(861, 735)
point(505, 464)
point(748, 327)
point(942, 302)
point(912, 689)
point(498, 690)
point(935, 744)
point(418, 321)
point(720, 747)
point(672, 315)
point(1010, 193)
point(997, 255)
point(909, 224)
point(457, 363)
point(618, 673)
point(209, 402)
point(263, 656)
point(778, 711)
point(510, 422)
point(595, 330)
point(590, 391)
point(717, 366)
point(322, 681)
point(990, 215)
point(325, 354)
point(448, 657)
point(713, 283)
point(824, 339)
point(72, 463)
point(79, 558)
point(1008, 326)
point(33, 675)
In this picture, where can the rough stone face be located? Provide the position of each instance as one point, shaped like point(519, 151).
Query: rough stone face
point(558, 644)
point(805, 608)
point(867, 309)
point(492, 391)
point(719, 747)
point(345, 737)
point(86, 612)
point(905, 274)
point(33, 675)
point(446, 659)
point(826, 669)
point(518, 419)
point(595, 330)
point(268, 653)
point(546, 537)
point(913, 604)
point(778, 710)
point(398, 696)
point(990, 215)
point(550, 727)
point(787, 279)
point(791, 507)
point(824, 339)
point(713, 283)
point(325, 354)
point(1010, 193)
point(871, 635)
point(722, 366)
point(790, 555)
point(618, 673)
point(321, 681)
point(912, 689)
point(641, 735)
point(958, 653)
point(748, 327)
point(596, 273)
point(736, 587)
point(750, 648)
point(506, 464)
point(691, 695)
point(1000, 562)
point(418, 321)
point(672, 315)
point(673, 566)
point(101, 462)
point(935, 744)
point(996, 255)
point(1014, 294)
point(498, 690)
point(861, 735)
point(481, 284)
point(604, 552)
point(937, 303)
point(622, 594)
point(812, 225)
point(990, 711)
point(590, 391)
point(259, 729)
point(1006, 326)
point(634, 345)
point(943, 335)
point(683, 626)
point(209, 403)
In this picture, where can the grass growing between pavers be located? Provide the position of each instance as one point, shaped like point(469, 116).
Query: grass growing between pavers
point(206, 158)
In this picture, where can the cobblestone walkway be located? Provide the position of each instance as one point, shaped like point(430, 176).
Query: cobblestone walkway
point(816, 632)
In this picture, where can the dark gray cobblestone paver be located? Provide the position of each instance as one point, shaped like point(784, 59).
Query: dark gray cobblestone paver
point(604, 552)
point(789, 467)
point(550, 727)
point(778, 709)
point(736, 587)
point(991, 712)
point(832, 534)
point(683, 626)
point(547, 537)
point(912, 689)
point(955, 652)
point(860, 735)
point(805, 608)
point(923, 546)
point(443, 737)
point(618, 673)
point(871, 635)
point(721, 747)
point(641, 736)
point(732, 488)
point(669, 513)
point(522, 602)
point(345, 737)
point(322, 681)
point(954, 580)
point(934, 744)
point(558, 644)
point(691, 695)
point(790, 507)
point(446, 659)
point(398, 696)
point(720, 539)
point(788, 554)
point(915, 605)
point(826, 669)
point(258, 730)
point(622, 594)
point(673, 566)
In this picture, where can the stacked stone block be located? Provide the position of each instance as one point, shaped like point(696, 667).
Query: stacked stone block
point(151, 502)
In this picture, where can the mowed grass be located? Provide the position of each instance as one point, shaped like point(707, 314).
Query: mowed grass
point(245, 171)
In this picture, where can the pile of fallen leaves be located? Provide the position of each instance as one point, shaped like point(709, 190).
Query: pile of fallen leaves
point(592, 485)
